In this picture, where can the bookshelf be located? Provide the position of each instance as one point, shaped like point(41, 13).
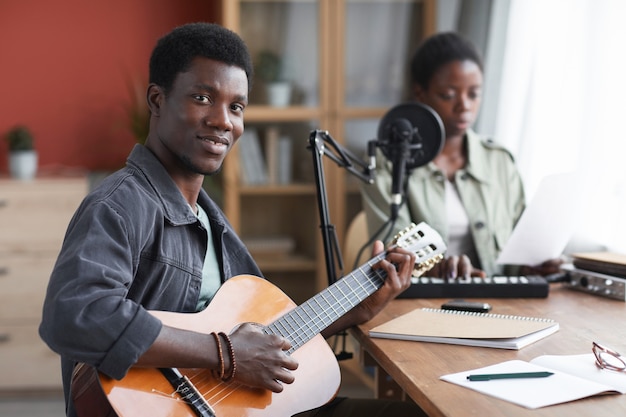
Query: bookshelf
point(343, 78)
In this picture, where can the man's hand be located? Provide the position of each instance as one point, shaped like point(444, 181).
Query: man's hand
point(399, 265)
point(260, 358)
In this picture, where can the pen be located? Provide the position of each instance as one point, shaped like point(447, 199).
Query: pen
point(488, 377)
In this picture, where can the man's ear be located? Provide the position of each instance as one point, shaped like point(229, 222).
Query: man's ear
point(155, 97)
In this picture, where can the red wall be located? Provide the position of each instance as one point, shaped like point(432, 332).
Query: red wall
point(64, 67)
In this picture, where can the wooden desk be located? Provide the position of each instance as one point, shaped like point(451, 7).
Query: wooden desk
point(417, 366)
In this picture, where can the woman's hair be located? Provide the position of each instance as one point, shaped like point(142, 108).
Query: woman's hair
point(174, 52)
point(439, 50)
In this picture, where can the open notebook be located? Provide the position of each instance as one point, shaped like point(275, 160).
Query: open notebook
point(466, 328)
point(575, 377)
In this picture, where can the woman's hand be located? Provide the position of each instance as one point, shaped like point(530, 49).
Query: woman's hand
point(549, 267)
point(454, 267)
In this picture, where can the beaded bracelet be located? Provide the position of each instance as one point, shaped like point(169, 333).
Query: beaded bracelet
point(231, 354)
point(220, 356)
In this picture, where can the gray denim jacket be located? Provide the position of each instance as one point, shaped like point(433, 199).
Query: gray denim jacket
point(133, 245)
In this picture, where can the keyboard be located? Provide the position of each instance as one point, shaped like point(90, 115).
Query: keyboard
point(490, 287)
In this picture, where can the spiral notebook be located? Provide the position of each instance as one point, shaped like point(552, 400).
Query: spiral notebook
point(466, 328)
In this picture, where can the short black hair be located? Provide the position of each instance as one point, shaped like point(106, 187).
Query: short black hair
point(174, 52)
point(438, 50)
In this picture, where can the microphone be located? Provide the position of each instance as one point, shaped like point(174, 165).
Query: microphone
point(401, 132)
point(410, 135)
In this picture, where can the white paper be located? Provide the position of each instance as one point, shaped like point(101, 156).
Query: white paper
point(583, 366)
point(530, 392)
point(548, 222)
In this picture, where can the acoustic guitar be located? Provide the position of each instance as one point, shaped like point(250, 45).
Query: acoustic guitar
point(196, 392)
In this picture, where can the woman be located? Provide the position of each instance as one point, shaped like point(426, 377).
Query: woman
point(471, 193)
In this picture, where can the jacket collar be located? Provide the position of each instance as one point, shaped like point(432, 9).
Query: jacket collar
point(476, 167)
point(175, 207)
point(477, 151)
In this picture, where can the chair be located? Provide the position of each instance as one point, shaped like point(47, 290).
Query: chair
point(356, 236)
point(381, 383)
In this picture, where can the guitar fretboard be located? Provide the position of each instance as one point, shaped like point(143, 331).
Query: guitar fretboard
point(314, 315)
point(307, 320)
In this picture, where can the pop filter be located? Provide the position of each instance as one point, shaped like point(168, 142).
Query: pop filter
point(426, 133)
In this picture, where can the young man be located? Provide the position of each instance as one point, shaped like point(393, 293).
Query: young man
point(150, 238)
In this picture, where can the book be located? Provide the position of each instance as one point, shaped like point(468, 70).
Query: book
point(271, 154)
point(284, 160)
point(466, 328)
point(270, 247)
point(609, 263)
point(574, 377)
point(252, 162)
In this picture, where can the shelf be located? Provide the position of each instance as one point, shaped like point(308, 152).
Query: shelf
point(364, 112)
point(289, 189)
point(345, 77)
point(294, 263)
point(264, 114)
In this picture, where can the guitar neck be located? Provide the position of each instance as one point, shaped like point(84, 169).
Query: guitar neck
point(317, 313)
point(320, 311)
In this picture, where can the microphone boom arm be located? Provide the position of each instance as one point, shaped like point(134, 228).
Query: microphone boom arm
point(343, 157)
point(321, 143)
point(410, 135)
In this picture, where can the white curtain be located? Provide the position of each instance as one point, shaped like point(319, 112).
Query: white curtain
point(561, 105)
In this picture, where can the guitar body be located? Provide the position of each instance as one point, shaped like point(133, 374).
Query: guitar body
point(146, 392)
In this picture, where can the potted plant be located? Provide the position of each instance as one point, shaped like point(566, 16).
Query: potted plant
point(22, 153)
point(269, 68)
point(138, 111)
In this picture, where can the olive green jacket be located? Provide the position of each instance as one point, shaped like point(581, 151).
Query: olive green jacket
point(490, 188)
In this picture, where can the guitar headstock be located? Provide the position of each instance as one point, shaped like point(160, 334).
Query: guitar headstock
point(425, 242)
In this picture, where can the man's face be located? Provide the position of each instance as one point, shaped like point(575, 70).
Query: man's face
point(201, 118)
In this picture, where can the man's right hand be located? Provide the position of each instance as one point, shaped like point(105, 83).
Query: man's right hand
point(261, 359)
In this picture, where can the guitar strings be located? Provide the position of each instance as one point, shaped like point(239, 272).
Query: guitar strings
point(308, 325)
point(222, 386)
point(376, 278)
point(217, 391)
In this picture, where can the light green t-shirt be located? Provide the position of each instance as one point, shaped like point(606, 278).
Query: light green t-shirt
point(211, 279)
